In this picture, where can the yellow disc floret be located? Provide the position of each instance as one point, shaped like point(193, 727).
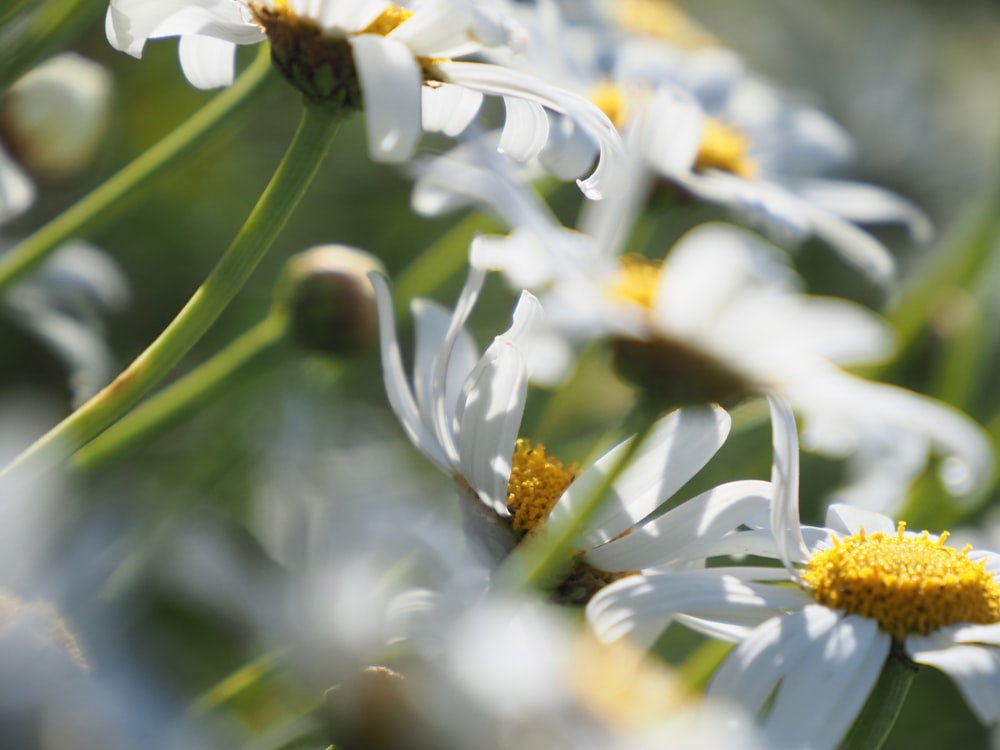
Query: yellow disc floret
point(726, 148)
point(612, 101)
point(536, 482)
point(387, 20)
point(908, 583)
point(662, 19)
point(637, 280)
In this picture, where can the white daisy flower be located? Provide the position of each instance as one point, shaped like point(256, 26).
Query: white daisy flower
point(464, 415)
point(720, 318)
point(399, 61)
point(863, 589)
point(714, 128)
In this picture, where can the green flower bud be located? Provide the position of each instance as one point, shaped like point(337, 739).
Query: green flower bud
point(329, 300)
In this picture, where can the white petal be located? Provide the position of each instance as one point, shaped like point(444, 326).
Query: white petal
point(498, 81)
point(437, 30)
point(987, 635)
point(390, 81)
point(444, 413)
point(570, 152)
point(670, 132)
point(525, 129)
point(679, 445)
point(969, 464)
point(623, 605)
point(838, 671)
point(348, 16)
point(846, 520)
point(17, 192)
point(448, 109)
point(785, 478)
point(853, 243)
point(862, 203)
point(685, 530)
point(976, 671)
point(490, 411)
point(430, 325)
point(489, 420)
point(396, 385)
point(207, 63)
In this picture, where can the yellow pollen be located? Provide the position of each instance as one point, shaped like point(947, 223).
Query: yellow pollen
point(387, 20)
point(536, 483)
point(662, 19)
point(611, 100)
point(637, 280)
point(909, 584)
point(723, 147)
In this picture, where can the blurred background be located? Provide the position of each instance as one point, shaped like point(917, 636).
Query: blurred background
point(171, 562)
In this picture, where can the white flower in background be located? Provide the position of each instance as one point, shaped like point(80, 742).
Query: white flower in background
point(713, 127)
point(864, 590)
point(64, 303)
point(720, 318)
point(509, 674)
point(465, 416)
point(396, 63)
point(51, 121)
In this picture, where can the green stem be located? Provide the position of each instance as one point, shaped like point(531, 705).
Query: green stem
point(235, 684)
point(110, 197)
point(872, 727)
point(273, 209)
point(183, 397)
point(956, 264)
point(539, 561)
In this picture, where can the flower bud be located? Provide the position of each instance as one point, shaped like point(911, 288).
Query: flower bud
point(329, 300)
point(53, 117)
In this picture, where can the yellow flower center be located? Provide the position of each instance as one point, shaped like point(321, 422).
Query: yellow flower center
point(611, 100)
point(387, 20)
point(637, 280)
point(662, 19)
point(536, 483)
point(679, 371)
point(909, 584)
point(724, 147)
point(320, 63)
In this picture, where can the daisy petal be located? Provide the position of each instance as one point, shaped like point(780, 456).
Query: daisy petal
point(862, 203)
point(694, 523)
point(489, 418)
point(17, 192)
point(397, 387)
point(497, 81)
point(207, 63)
point(617, 609)
point(849, 520)
point(679, 445)
point(448, 109)
point(976, 671)
point(391, 82)
point(839, 670)
point(442, 373)
point(525, 130)
point(785, 478)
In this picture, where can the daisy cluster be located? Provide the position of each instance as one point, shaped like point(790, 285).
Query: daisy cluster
point(558, 482)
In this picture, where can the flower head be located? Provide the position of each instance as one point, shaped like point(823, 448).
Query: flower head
point(398, 64)
point(861, 587)
point(465, 416)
